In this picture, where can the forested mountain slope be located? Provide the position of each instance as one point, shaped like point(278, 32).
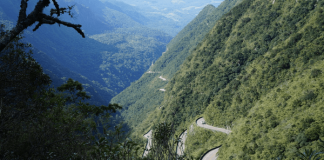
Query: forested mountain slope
point(258, 71)
point(108, 67)
point(144, 96)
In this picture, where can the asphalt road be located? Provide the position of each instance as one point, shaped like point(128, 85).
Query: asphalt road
point(200, 124)
point(212, 154)
point(181, 146)
point(162, 78)
point(149, 143)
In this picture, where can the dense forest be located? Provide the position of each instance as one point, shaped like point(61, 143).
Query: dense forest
point(259, 72)
point(38, 121)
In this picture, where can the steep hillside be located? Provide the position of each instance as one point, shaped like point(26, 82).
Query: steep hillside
point(259, 72)
point(109, 63)
point(144, 95)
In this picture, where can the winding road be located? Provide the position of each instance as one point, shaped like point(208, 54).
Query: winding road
point(181, 146)
point(163, 90)
point(162, 78)
point(201, 124)
point(152, 72)
point(148, 135)
point(211, 155)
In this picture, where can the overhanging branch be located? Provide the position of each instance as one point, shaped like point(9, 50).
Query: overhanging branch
point(52, 20)
point(37, 14)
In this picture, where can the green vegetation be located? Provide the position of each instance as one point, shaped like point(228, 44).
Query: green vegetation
point(143, 96)
point(259, 72)
point(310, 155)
point(164, 143)
point(38, 122)
point(265, 56)
point(200, 140)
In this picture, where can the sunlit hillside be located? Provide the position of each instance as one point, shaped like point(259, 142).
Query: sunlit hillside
point(258, 72)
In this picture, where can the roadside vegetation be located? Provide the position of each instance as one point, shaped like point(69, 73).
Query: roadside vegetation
point(200, 140)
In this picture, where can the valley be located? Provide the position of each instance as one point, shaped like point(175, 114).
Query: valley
point(118, 45)
point(178, 79)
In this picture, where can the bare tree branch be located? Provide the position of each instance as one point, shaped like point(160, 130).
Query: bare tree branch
point(36, 15)
point(22, 13)
point(52, 20)
point(57, 7)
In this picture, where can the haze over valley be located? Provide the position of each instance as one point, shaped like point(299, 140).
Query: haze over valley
point(169, 16)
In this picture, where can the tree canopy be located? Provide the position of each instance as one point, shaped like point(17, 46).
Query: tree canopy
point(41, 122)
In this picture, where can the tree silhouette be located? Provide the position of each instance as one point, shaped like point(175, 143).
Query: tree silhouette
point(37, 15)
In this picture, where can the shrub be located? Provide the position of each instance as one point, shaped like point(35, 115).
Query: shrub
point(315, 73)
